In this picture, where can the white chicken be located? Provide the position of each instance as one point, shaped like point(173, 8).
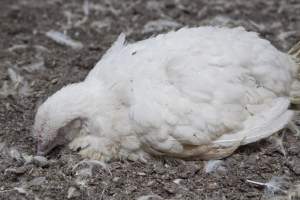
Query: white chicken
point(195, 93)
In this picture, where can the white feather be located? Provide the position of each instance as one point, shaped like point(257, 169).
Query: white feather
point(63, 39)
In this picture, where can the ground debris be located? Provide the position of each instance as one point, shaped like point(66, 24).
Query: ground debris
point(92, 163)
point(17, 171)
point(35, 182)
point(40, 161)
point(150, 197)
point(214, 166)
point(160, 25)
point(15, 154)
point(17, 86)
point(277, 185)
point(294, 164)
point(34, 67)
point(277, 142)
point(73, 192)
point(63, 39)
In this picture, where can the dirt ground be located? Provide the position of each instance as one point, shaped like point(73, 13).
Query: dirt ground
point(34, 66)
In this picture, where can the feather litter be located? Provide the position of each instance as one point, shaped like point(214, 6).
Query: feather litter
point(91, 164)
point(276, 185)
point(150, 197)
point(63, 39)
point(277, 142)
point(34, 67)
point(86, 8)
point(73, 192)
point(16, 86)
point(160, 25)
point(214, 165)
point(99, 25)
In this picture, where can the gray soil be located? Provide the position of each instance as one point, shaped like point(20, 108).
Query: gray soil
point(32, 67)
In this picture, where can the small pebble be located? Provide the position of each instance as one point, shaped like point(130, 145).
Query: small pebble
point(177, 181)
point(21, 190)
point(54, 81)
point(141, 174)
point(214, 166)
point(212, 186)
point(36, 181)
point(2, 146)
point(15, 154)
point(150, 183)
point(116, 179)
point(18, 170)
point(73, 192)
point(27, 158)
point(149, 197)
point(85, 172)
point(170, 188)
point(294, 165)
point(40, 161)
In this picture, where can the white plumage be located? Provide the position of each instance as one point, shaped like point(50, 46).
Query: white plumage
point(193, 93)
